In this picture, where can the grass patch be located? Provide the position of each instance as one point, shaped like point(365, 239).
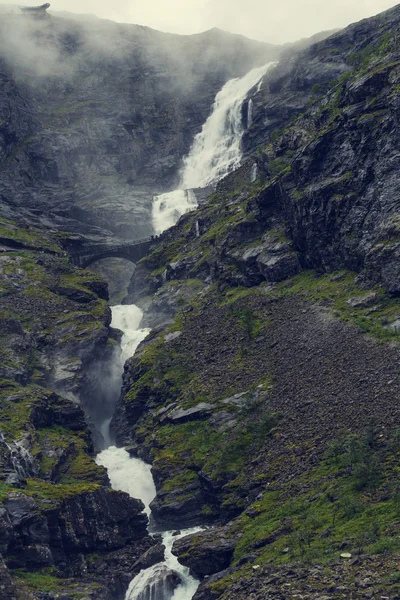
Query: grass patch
point(334, 290)
point(351, 498)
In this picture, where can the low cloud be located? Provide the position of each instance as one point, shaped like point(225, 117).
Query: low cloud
point(278, 22)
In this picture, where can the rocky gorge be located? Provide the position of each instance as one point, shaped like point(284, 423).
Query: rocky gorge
point(266, 397)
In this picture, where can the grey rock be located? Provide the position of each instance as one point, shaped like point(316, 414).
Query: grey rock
point(364, 301)
point(206, 552)
point(181, 415)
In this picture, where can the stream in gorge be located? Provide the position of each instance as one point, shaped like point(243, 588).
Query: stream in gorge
point(133, 476)
point(216, 150)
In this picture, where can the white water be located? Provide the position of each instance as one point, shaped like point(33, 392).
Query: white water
point(130, 475)
point(250, 113)
point(168, 208)
point(153, 579)
point(215, 151)
point(133, 476)
point(128, 319)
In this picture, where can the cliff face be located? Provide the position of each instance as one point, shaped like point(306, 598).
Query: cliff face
point(95, 117)
point(61, 527)
point(266, 396)
point(259, 398)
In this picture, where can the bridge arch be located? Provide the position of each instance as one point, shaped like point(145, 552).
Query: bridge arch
point(133, 252)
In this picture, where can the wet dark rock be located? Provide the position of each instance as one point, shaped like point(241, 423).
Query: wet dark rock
point(151, 557)
point(7, 588)
point(106, 180)
point(206, 552)
point(170, 510)
point(97, 521)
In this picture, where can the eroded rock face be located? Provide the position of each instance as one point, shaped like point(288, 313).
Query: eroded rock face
point(206, 552)
point(7, 587)
point(57, 509)
point(101, 521)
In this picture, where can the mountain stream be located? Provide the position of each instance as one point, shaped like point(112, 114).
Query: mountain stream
point(215, 152)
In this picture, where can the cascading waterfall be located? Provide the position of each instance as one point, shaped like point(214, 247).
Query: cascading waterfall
point(250, 112)
point(215, 152)
point(168, 580)
point(254, 173)
point(159, 582)
point(21, 460)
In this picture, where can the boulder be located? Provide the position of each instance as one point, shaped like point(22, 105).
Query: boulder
point(363, 301)
point(206, 552)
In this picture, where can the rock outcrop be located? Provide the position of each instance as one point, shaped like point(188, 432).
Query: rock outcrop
point(206, 553)
point(58, 516)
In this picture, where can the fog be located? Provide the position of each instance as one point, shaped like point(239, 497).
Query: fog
point(277, 22)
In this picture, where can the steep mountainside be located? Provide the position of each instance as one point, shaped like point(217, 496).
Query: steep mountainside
point(267, 397)
point(95, 117)
point(61, 526)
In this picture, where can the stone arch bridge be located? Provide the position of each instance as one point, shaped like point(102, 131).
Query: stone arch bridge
point(132, 251)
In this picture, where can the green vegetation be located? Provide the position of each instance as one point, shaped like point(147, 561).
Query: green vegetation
point(28, 237)
point(41, 491)
point(351, 498)
point(46, 581)
point(43, 581)
point(190, 445)
point(335, 290)
point(77, 465)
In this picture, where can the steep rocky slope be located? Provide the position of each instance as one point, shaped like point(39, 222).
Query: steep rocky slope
point(267, 396)
point(61, 526)
point(95, 116)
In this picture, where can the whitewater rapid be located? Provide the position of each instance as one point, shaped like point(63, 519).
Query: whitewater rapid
point(133, 476)
point(215, 152)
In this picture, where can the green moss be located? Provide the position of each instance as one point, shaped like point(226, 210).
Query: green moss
point(322, 509)
point(29, 237)
point(55, 492)
point(16, 405)
point(43, 581)
point(183, 479)
point(4, 491)
point(335, 290)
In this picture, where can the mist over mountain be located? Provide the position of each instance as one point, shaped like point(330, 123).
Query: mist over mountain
point(104, 111)
point(232, 381)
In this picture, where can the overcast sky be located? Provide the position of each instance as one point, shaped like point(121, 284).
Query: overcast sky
point(276, 21)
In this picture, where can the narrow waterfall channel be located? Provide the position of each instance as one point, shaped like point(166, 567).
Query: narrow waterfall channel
point(133, 476)
point(215, 151)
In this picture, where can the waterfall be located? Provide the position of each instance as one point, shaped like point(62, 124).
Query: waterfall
point(168, 580)
point(129, 475)
point(254, 173)
point(159, 582)
point(215, 151)
point(168, 208)
point(250, 113)
point(127, 319)
point(19, 458)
